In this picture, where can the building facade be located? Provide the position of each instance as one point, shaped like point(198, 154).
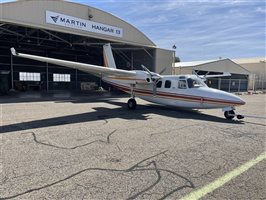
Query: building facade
point(70, 31)
point(237, 82)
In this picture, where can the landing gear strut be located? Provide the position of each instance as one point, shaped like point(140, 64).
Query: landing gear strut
point(132, 104)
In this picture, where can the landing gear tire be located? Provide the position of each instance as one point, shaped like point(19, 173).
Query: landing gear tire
point(240, 117)
point(229, 114)
point(131, 104)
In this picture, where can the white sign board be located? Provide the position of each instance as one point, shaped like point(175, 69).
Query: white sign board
point(82, 24)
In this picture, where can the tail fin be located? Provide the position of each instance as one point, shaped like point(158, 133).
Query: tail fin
point(108, 56)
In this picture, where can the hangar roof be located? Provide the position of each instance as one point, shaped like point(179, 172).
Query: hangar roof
point(223, 65)
point(250, 60)
point(193, 63)
point(72, 18)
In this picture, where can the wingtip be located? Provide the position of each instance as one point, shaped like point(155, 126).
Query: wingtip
point(13, 51)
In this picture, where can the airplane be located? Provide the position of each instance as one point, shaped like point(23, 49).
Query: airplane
point(183, 91)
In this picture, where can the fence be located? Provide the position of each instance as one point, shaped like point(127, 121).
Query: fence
point(229, 85)
point(257, 82)
point(237, 85)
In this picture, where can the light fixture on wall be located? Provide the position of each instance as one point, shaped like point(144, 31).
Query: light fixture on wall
point(90, 16)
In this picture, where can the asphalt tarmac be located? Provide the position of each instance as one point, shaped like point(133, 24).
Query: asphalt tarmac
point(94, 148)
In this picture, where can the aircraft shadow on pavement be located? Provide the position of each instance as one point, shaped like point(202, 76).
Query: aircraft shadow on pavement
point(102, 113)
point(30, 97)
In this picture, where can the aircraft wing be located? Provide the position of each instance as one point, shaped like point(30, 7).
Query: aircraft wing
point(217, 75)
point(93, 69)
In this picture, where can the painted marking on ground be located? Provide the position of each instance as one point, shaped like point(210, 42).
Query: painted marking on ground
point(224, 179)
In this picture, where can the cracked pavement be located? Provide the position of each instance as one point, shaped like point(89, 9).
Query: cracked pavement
point(80, 148)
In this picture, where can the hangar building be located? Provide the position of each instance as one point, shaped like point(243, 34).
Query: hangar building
point(257, 68)
point(238, 81)
point(70, 31)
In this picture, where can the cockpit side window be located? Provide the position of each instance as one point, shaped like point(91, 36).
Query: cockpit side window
point(159, 84)
point(194, 83)
point(167, 84)
point(182, 84)
point(190, 83)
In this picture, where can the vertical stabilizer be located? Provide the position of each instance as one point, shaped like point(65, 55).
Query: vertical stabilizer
point(108, 56)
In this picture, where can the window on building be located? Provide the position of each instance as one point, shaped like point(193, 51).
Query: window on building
point(159, 84)
point(167, 84)
point(29, 76)
point(61, 77)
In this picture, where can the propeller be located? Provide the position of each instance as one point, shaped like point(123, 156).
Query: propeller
point(162, 71)
point(153, 77)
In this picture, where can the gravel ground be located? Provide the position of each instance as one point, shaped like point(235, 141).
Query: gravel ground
point(94, 148)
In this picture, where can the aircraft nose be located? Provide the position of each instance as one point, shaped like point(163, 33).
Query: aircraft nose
point(236, 99)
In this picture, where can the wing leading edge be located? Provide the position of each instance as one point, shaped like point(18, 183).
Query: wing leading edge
point(93, 69)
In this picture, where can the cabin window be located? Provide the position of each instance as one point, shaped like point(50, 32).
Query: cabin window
point(182, 84)
point(159, 84)
point(167, 84)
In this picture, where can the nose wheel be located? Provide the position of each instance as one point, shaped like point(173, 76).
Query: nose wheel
point(131, 104)
point(231, 114)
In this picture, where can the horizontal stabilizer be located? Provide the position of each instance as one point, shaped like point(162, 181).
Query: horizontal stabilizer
point(13, 51)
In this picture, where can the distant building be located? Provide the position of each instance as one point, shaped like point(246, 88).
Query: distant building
point(251, 71)
point(238, 81)
point(257, 68)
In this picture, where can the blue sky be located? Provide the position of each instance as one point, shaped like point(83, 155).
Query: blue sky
point(203, 29)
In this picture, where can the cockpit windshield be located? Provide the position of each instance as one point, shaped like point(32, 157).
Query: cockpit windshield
point(195, 83)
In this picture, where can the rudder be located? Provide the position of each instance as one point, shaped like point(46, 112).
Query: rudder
point(108, 56)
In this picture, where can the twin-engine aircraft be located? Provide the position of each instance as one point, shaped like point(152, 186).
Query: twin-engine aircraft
point(185, 91)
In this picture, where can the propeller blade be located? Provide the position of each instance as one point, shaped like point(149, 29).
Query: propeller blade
point(154, 88)
point(162, 71)
point(147, 70)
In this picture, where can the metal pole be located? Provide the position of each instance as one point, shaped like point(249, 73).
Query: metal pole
point(239, 81)
point(12, 75)
point(132, 60)
point(47, 77)
point(263, 81)
point(260, 82)
point(254, 77)
point(219, 83)
point(76, 74)
point(76, 77)
point(229, 85)
point(47, 74)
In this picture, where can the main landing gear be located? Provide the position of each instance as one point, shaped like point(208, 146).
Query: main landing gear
point(132, 104)
point(230, 114)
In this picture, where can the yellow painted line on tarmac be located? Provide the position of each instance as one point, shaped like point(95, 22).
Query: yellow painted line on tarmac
point(224, 179)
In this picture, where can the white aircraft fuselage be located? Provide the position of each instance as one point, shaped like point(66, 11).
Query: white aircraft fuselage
point(196, 97)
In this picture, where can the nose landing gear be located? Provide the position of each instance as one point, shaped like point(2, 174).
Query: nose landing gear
point(231, 114)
